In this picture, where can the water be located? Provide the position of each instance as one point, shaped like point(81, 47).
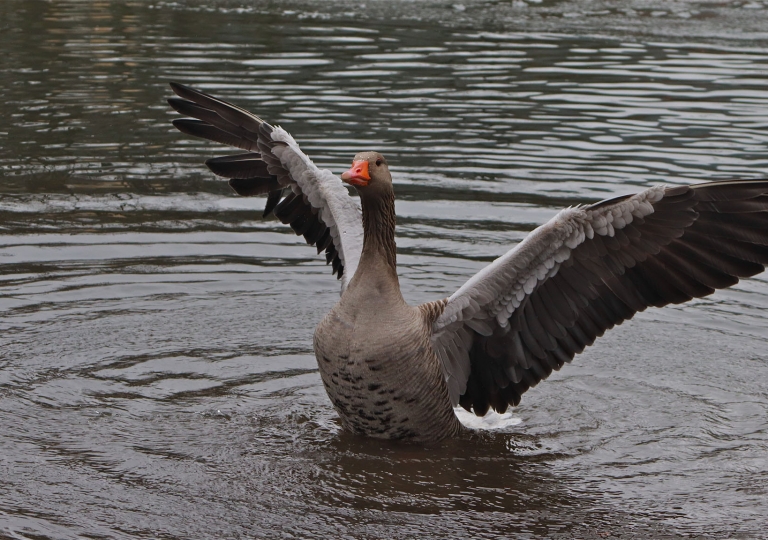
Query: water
point(156, 370)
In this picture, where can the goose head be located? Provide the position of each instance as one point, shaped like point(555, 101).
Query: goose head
point(369, 172)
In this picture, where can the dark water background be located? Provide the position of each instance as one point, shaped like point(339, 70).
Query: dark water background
point(156, 370)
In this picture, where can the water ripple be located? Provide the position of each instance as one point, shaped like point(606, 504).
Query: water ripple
point(156, 373)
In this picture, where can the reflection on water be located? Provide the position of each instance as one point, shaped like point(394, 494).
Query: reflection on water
point(156, 369)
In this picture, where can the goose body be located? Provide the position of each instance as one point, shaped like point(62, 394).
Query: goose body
point(396, 371)
point(374, 351)
point(380, 371)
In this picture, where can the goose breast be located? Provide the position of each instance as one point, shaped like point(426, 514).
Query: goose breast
point(381, 373)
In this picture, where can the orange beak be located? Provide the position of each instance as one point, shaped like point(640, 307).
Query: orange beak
point(357, 175)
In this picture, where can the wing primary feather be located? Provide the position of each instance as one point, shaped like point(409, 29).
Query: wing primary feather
point(579, 335)
point(716, 260)
point(590, 321)
point(575, 287)
point(560, 356)
point(736, 248)
point(753, 220)
point(304, 223)
point(316, 202)
point(515, 353)
point(543, 315)
point(228, 111)
point(543, 338)
point(204, 130)
point(569, 342)
point(286, 210)
point(556, 304)
point(682, 281)
point(194, 110)
point(336, 265)
point(250, 187)
point(757, 204)
point(273, 199)
point(324, 241)
point(717, 191)
point(705, 274)
point(239, 166)
point(315, 231)
point(626, 294)
point(529, 340)
point(731, 231)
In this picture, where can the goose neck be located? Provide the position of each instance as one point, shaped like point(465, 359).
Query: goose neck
point(378, 263)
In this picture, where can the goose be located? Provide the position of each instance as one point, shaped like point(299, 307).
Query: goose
point(396, 371)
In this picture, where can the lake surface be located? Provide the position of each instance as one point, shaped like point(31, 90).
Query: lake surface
point(157, 378)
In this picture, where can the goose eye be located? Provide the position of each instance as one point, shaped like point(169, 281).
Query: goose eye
point(378, 162)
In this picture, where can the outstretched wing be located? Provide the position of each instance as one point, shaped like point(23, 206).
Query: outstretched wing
point(588, 269)
point(313, 201)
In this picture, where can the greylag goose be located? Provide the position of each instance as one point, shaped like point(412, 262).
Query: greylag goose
point(397, 371)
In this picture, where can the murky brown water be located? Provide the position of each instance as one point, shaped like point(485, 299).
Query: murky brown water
point(156, 370)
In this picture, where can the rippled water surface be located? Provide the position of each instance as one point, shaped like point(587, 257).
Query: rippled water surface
point(157, 378)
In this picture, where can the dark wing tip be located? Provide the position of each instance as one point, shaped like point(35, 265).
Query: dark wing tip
point(224, 122)
point(272, 200)
point(251, 187)
point(239, 166)
point(182, 123)
point(699, 238)
point(177, 87)
point(179, 105)
point(184, 91)
point(196, 128)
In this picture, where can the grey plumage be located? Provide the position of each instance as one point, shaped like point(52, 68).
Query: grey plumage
point(395, 371)
point(257, 172)
point(697, 239)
